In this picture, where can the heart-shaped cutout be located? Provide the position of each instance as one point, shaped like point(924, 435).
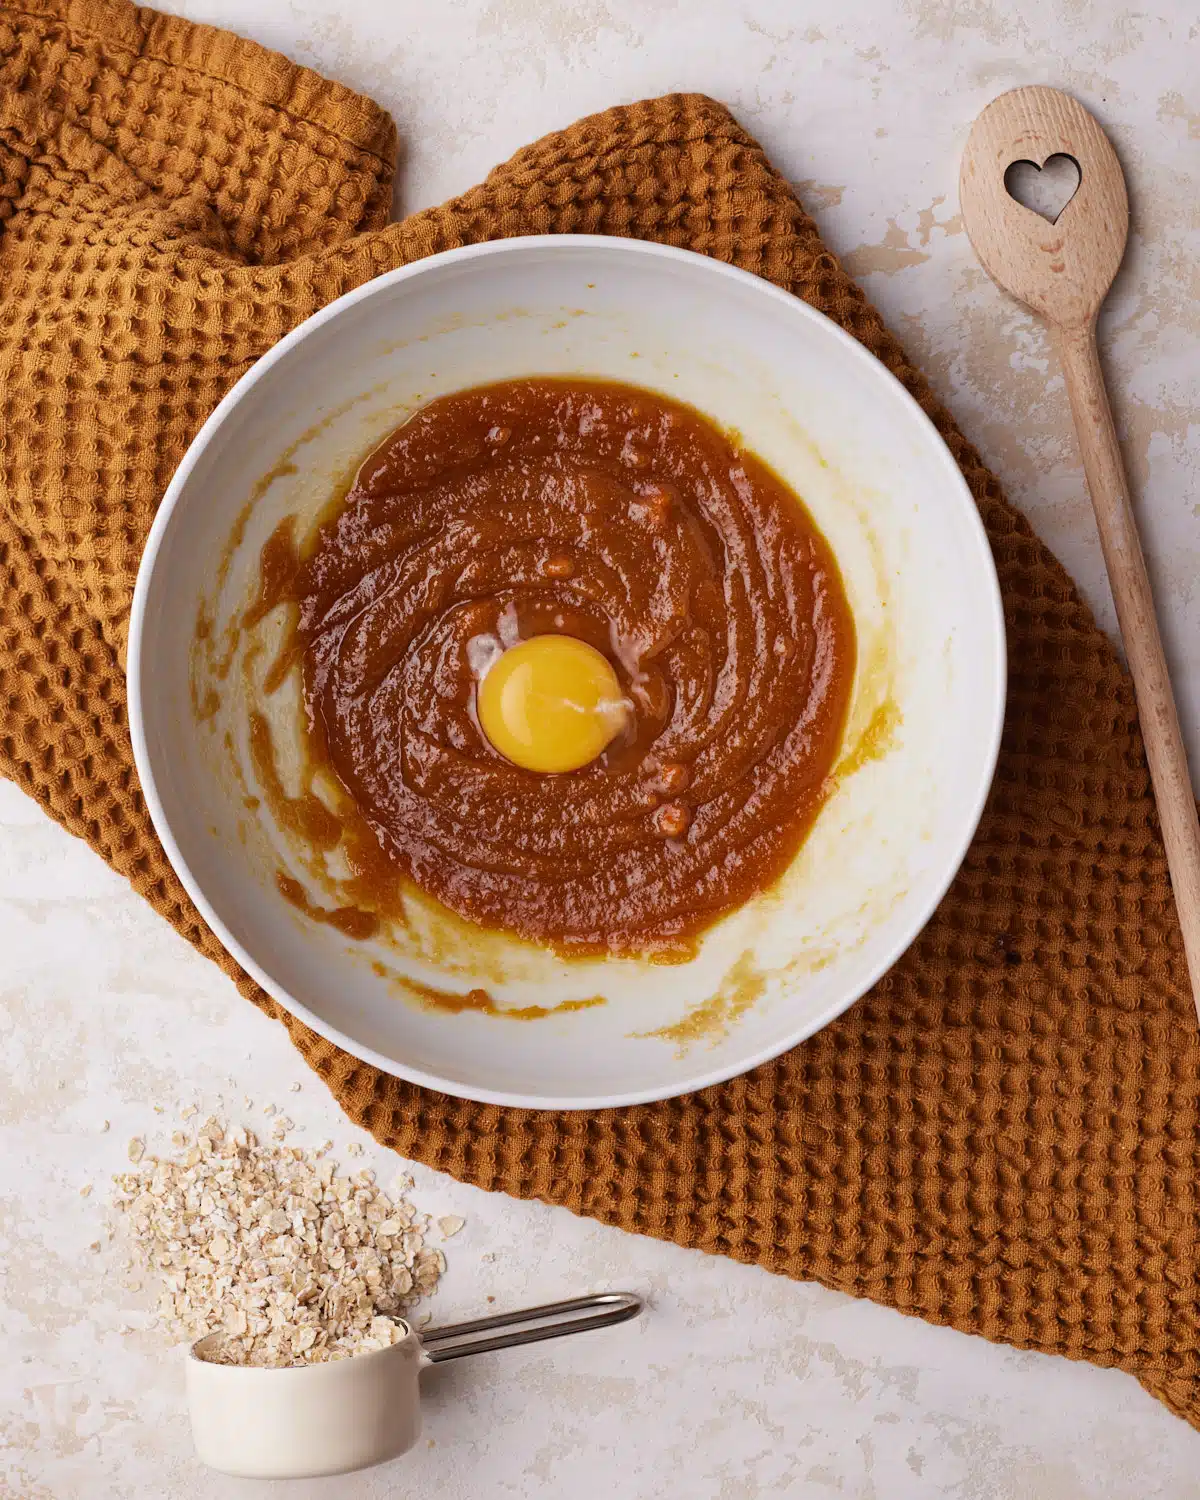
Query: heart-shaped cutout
point(1046, 189)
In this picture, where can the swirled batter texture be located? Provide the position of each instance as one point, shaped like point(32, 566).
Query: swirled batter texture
point(629, 521)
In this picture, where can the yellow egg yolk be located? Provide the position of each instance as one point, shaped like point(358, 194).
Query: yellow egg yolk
point(551, 704)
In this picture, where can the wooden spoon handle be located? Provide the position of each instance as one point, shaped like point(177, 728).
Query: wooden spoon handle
point(1139, 629)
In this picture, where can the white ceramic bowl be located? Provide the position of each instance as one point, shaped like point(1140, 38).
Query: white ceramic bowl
point(924, 724)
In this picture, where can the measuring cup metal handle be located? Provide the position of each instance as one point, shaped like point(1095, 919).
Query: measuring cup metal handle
point(554, 1319)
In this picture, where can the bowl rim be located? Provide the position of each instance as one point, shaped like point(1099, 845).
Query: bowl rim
point(615, 245)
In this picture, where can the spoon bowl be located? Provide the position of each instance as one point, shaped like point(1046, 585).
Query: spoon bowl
point(1061, 270)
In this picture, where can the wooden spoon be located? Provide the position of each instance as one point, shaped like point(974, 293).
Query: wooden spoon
point(1063, 270)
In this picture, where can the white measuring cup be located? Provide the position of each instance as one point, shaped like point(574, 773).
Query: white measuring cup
point(303, 1421)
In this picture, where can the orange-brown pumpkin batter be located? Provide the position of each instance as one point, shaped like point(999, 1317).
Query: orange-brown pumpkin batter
point(611, 514)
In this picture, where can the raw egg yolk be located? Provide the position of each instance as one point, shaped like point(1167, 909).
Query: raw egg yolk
point(551, 704)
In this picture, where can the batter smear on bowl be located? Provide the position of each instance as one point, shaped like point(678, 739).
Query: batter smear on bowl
point(710, 705)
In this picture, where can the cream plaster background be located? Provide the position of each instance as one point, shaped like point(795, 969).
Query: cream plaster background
point(736, 1384)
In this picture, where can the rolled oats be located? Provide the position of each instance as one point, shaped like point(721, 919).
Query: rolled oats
point(267, 1245)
